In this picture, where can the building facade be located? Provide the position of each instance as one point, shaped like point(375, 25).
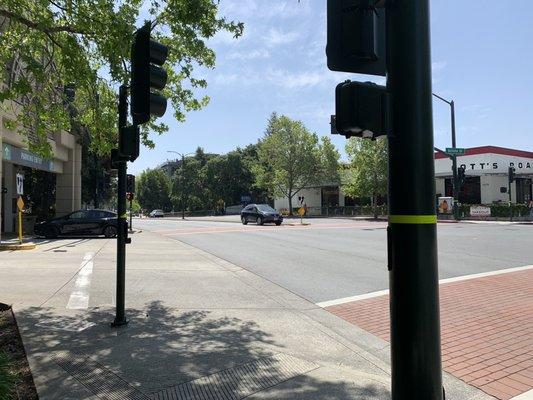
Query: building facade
point(63, 171)
point(486, 181)
point(487, 169)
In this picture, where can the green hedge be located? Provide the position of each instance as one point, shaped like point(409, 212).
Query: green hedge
point(498, 210)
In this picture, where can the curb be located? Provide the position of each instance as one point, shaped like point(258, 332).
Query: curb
point(23, 246)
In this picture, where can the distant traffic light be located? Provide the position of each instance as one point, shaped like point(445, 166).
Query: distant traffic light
point(461, 176)
point(130, 183)
point(356, 36)
point(512, 175)
point(361, 110)
point(147, 57)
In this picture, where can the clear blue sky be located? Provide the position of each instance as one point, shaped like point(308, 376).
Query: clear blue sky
point(482, 58)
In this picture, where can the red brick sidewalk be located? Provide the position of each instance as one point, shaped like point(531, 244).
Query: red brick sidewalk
point(487, 330)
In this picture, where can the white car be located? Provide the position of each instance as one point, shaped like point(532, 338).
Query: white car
point(157, 214)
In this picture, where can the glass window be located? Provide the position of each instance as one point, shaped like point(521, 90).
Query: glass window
point(78, 215)
point(265, 208)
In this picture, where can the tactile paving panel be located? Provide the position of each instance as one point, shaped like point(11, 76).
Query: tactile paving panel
point(98, 379)
point(241, 381)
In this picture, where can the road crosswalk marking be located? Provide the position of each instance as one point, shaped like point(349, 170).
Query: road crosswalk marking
point(79, 298)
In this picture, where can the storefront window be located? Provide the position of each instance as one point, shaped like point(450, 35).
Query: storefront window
point(470, 192)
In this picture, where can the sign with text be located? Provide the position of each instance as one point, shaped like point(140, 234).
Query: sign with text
point(479, 211)
point(455, 151)
point(23, 157)
point(20, 184)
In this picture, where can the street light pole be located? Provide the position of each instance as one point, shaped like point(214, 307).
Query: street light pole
point(182, 179)
point(455, 184)
point(182, 186)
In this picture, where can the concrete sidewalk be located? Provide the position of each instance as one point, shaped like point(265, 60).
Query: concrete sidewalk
point(200, 328)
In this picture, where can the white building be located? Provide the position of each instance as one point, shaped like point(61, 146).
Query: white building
point(486, 180)
point(487, 169)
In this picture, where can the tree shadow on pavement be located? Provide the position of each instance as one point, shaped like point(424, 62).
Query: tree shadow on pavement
point(163, 347)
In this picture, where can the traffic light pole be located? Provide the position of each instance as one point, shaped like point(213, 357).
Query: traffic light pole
point(455, 182)
point(510, 202)
point(120, 318)
point(131, 216)
point(412, 231)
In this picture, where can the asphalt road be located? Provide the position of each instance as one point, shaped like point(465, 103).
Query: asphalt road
point(335, 258)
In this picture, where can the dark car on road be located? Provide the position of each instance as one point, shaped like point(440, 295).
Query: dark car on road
point(80, 223)
point(260, 213)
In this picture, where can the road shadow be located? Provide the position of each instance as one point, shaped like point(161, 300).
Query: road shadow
point(164, 347)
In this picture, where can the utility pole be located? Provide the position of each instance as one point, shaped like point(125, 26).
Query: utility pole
point(120, 318)
point(412, 231)
point(455, 182)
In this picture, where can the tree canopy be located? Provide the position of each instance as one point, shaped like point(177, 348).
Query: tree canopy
point(291, 158)
point(367, 172)
point(153, 190)
point(52, 49)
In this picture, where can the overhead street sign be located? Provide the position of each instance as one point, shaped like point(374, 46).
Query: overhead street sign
point(455, 151)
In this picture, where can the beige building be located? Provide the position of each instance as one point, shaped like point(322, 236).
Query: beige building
point(16, 159)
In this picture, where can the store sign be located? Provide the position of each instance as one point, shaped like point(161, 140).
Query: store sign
point(23, 157)
point(496, 165)
point(479, 211)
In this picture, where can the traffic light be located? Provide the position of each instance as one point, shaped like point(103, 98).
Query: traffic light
point(461, 177)
point(147, 57)
point(356, 36)
point(512, 175)
point(361, 109)
point(129, 142)
point(130, 183)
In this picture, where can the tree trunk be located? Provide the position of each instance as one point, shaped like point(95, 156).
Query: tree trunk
point(375, 205)
point(290, 204)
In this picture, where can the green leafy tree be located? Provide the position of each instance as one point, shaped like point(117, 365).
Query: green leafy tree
point(367, 172)
point(291, 158)
point(153, 190)
point(47, 44)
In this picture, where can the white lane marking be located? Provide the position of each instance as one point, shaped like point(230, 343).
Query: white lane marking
point(79, 298)
point(349, 299)
point(524, 396)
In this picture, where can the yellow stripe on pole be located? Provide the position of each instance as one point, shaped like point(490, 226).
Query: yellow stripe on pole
point(412, 219)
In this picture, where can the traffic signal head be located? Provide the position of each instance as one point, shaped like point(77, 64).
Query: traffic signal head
point(361, 110)
point(130, 183)
point(129, 142)
point(356, 36)
point(461, 175)
point(147, 57)
point(512, 175)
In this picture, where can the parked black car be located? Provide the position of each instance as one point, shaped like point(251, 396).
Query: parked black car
point(260, 213)
point(82, 222)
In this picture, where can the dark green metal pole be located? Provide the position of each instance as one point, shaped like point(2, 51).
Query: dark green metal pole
point(182, 186)
point(414, 298)
point(120, 318)
point(454, 167)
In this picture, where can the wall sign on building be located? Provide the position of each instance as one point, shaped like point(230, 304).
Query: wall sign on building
point(25, 158)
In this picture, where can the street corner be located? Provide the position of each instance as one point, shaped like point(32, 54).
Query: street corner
point(7, 246)
point(487, 336)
